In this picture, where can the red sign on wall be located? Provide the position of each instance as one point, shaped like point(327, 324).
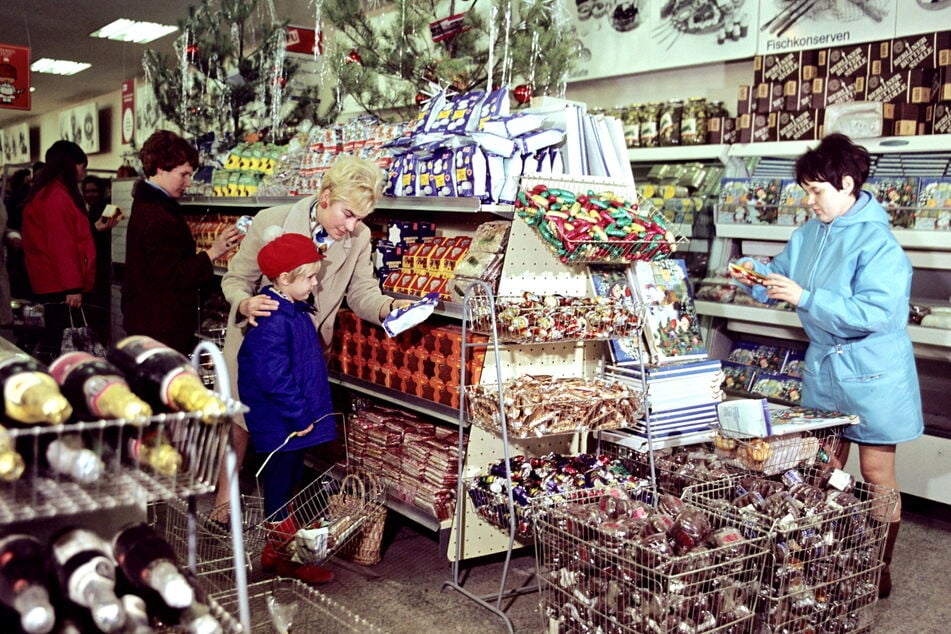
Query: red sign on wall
point(14, 77)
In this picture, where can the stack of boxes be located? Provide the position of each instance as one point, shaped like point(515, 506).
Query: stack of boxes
point(425, 361)
point(910, 76)
point(419, 262)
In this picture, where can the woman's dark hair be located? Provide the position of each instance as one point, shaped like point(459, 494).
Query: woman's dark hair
point(61, 160)
point(166, 150)
point(835, 158)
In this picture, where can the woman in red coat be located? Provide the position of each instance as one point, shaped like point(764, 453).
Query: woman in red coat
point(58, 247)
point(164, 269)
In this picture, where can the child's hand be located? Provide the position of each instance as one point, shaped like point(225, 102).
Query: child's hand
point(304, 432)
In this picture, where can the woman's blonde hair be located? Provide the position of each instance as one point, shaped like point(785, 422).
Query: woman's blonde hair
point(355, 180)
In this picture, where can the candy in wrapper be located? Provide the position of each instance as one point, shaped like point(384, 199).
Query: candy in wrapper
point(404, 318)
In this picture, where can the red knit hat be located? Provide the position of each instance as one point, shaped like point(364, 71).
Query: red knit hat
point(285, 253)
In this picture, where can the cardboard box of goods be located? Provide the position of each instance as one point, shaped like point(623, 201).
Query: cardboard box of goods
point(904, 119)
point(941, 85)
point(840, 90)
point(797, 94)
point(776, 67)
point(744, 100)
point(801, 125)
point(764, 127)
point(809, 64)
point(938, 117)
point(769, 97)
point(888, 88)
point(921, 85)
point(421, 258)
point(913, 52)
point(942, 48)
point(744, 128)
point(845, 61)
point(880, 58)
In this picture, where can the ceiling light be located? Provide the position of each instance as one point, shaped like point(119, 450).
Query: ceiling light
point(58, 66)
point(125, 30)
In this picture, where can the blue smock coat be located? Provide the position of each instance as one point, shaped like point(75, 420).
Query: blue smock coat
point(856, 282)
point(282, 378)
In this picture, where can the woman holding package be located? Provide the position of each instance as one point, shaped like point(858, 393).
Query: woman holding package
point(164, 269)
point(850, 282)
point(58, 247)
point(333, 219)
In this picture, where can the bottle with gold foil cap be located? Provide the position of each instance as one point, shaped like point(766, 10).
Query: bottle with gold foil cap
point(164, 377)
point(154, 450)
point(11, 463)
point(30, 394)
point(96, 388)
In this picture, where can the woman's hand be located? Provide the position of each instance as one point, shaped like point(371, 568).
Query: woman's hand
point(224, 242)
point(783, 289)
point(257, 306)
point(74, 300)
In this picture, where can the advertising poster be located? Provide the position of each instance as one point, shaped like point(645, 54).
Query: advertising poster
point(923, 16)
point(16, 144)
point(794, 25)
point(14, 77)
point(128, 111)
point(147, 115)
point(81, 126)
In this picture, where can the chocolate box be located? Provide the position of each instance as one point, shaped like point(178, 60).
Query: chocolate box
point(904, 119)
point(887, 88)
point(744, 129)
point(841, 90)
point(776, 67)
point(799, 125)
point(797, 94)
point(941, 85)
point(913, 52)
point(721, 130)
point(880, 58)
point(938, 117)
point(744, 100)
point(942, 48)
point(845, 61)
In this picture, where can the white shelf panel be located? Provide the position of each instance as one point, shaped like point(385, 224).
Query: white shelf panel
point(907, 238)
point(877, 145)
point(767, 316)
point(639, 443)
point(677, 153)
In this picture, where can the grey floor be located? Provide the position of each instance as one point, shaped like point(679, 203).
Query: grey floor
point(404, 592)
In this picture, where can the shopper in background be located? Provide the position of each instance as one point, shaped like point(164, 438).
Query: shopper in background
point(282, 376)
point(97, 310)
point(333, 219)
point(164, 270)
point(850, 282)
point(57, 243)
point(6, 310)
point(15, 197)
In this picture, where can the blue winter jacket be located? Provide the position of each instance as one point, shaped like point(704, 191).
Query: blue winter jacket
point(282, 378)
point(856, 282)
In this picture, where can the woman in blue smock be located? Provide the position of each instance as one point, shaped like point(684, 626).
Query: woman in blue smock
point(850, 282)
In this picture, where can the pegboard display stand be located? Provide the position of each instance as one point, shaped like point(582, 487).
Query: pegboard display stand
point(530, 267)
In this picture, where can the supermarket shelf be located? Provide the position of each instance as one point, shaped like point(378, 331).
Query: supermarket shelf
point(414, 403)
point(677, 153)
point(442, 204)
point(771, 316)
point(446, 309)
point(877, 145)
point(907, 238)
point(252, 202)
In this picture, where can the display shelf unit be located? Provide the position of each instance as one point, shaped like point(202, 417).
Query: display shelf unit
point(423, 406)
point(679, 153)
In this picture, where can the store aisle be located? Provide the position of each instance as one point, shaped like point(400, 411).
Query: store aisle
point(403, 595)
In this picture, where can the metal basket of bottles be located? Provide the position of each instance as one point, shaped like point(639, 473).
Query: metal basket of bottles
point(87, 580)
point(314, 524)
point(541, 483)
point(290, 605)
point(617, 563)
point(532, 318)
point(81, 434)
point(586, 221)
point(826, 538)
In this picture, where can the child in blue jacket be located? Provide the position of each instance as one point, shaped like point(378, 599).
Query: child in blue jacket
point(282, 378)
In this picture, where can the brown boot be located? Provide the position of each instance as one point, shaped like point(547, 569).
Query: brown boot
point(885, 581)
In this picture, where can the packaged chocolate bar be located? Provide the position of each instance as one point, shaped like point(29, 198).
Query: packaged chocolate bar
point(763, 357)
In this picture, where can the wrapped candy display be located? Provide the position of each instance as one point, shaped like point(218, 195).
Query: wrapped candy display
point(539, 483)
point(542, 405)
point(542, 318)
point(826, 536)
point(619, 565)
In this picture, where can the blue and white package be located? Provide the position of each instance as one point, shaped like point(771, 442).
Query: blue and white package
point(401, 319)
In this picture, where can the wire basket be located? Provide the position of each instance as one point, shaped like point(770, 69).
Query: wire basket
point(824, 562)
point(596, 575)
point(543, 405)
point(586, 221)
point(214, 551)
point(317, 522)
point(675, 469)
point(532, 318)
point(777, 454)
point(290, 605)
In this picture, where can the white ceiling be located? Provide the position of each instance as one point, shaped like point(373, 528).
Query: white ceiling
point(60, 29)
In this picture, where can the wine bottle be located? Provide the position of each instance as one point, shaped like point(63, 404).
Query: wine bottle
point(87, 575)
point(11, 463)
point(154, 450)
point(68, 455)
point(96, 388)
point(164, 377)
point(196, 618)
point(30, 394)
point(148, 561)
point(23, 572)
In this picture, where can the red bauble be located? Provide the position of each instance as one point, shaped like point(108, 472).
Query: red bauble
point(421, 98)
point(523, 93)
point(354, 57)
point(192, 49)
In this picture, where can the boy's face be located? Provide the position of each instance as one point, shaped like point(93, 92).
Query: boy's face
point(300, 289)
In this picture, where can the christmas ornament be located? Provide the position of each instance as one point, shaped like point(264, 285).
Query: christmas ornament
point(192, 49)
point(421, 98)
point(523, 93)
point(354, 57)
point(447, 28)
